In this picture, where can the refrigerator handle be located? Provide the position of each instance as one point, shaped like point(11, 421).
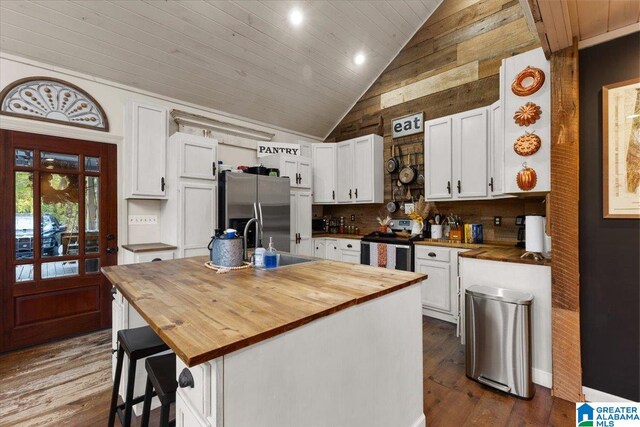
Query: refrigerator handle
point(258, 228)
point(260, 219)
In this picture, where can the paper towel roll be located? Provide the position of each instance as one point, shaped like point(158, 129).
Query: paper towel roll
point(534, 233)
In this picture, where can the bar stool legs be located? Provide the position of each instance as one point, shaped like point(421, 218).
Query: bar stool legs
point(116, 386)
point(146, 408)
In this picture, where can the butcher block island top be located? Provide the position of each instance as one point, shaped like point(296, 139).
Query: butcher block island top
point(203, 315)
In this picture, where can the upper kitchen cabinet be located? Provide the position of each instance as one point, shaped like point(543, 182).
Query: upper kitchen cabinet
point(324, 173)
point(357, 167)
point(496, 149)
point(297, 168)
point(146, 132)
point(456, 148)
point(526, 85)
point(188, 215)
point(197, 156)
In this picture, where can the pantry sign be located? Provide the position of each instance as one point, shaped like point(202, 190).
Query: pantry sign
point(269, 148)
point(407, 125)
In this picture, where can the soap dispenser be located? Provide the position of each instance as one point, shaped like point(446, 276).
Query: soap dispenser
point(270, 256)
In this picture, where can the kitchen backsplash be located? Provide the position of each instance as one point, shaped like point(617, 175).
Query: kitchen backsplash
point(472, 212)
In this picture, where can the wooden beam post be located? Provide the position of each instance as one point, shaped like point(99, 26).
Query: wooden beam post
point(565, 185)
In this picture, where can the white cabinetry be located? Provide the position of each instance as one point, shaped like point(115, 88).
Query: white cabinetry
point(301, 223)
point(541, 160)
point(188, 216)
point(145, 144)
point(496, 149)
point(298, 169)
point(440, 289)
point(346, 250)
point(456, 149)
point(358, 177)
point(320, 248)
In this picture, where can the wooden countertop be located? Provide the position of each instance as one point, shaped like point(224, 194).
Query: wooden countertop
point(452, 244)
point(202, 315)
point(337, 236)
point(504, 254)
point(149, 247)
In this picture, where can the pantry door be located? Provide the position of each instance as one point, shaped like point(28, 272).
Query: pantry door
point(58, 218)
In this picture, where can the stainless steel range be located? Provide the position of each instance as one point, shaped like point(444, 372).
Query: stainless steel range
point(389, 249)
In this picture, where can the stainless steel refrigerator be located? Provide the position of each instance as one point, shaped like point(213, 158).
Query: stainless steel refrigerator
point(242, 196)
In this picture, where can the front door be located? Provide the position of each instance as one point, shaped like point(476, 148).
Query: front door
point(59, 218)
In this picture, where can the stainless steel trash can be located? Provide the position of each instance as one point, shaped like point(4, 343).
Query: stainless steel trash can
point(498, 339)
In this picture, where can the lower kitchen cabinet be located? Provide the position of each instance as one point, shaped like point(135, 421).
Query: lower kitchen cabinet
point(440, 289)
point(346, 250)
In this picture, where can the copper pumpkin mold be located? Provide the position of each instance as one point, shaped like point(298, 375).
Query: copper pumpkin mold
point(527, 178)
point(527, 144)
point(528, 114)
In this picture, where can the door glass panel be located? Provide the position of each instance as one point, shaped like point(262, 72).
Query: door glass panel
point(24, 272)
point(92, 164)
point(92, 214)
point(24, 157)
point(24, 215)
point(50, 270)
point(92, 265)
point(59, 160)
point(59, 214)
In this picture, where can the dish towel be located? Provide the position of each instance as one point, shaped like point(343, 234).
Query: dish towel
point(391, 257)
point(373, 254)
point(382, 255)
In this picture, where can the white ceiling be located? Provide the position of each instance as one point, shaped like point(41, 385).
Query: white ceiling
point(590, 21)
point(240, 57)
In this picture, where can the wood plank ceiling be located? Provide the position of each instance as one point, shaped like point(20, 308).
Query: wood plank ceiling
point(241, 57)
point(590, 21)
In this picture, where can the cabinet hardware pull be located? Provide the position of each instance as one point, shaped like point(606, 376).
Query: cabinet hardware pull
point(113, 291)
point(156, 259)
point(432, 254)
point(185, 379)
point(213, 168)
point(299, 178)
point(112, 250)
point(349, 193)
point(162, 184)
point(111, 236)
point(349, 245)
point(491, 184)
point(459, 187)
point(113, 350)
point(449, 187)
point(333, 194)
point(356, 193)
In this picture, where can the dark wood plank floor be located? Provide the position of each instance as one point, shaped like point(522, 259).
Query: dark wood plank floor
point(68, 383)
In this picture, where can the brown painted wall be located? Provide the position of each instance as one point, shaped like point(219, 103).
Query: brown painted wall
point(459, 49)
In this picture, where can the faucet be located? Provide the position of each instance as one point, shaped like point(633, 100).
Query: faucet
point(245, 235)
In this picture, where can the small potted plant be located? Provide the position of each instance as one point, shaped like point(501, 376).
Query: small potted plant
point(419, 213)
point(384, 223)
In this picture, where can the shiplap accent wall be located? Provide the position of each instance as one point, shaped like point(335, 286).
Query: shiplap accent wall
point(450, 65)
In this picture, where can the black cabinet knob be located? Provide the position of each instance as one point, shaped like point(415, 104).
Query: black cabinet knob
point(113, 291)
point(185, 379)
point(432, 254)
point(349, 245)
point(111, 236)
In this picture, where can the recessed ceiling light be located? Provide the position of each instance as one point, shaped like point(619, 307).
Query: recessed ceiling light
point(359, 58)
point(295, 17)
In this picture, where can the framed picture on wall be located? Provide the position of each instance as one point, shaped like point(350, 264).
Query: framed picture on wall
point(621, 149)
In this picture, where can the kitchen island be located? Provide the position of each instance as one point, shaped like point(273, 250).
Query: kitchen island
point(322, 343)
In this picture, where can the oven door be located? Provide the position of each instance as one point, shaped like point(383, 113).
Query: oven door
point(404, 255)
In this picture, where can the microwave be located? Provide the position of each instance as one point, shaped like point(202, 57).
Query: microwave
point(318, 224)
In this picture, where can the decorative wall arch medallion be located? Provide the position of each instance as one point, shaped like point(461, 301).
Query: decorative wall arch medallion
point(52, 100)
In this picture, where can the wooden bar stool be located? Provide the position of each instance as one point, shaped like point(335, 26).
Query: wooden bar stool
point(161, 377)
point(137, 343)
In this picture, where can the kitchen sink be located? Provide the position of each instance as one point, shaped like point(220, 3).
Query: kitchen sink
point(288, 259)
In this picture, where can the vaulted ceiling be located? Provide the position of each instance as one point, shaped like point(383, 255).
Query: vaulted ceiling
point(241, 57)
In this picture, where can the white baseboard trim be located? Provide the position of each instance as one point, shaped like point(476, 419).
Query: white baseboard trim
point(542, 378)
point(420, 422)
point(593, 395)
